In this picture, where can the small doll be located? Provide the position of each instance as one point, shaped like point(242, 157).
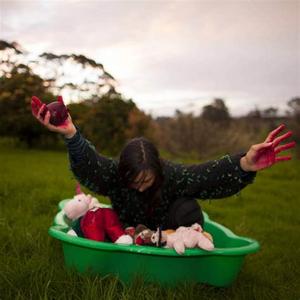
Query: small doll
point(95, 222)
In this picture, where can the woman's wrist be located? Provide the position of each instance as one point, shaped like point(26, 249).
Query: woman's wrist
point(70, 134)
point(244, 164)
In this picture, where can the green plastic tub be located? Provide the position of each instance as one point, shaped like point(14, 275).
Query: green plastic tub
point(219, 267)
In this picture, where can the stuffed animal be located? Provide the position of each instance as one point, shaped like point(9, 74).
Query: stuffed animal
point(97, 223)
point(143, 235)
point(140, 234)
point(186, 237)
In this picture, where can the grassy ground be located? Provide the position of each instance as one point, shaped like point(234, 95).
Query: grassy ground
point(31, 263)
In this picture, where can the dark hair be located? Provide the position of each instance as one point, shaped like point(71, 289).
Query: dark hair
point(139, 155)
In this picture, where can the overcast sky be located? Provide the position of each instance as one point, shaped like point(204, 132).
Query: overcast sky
point(171, 55)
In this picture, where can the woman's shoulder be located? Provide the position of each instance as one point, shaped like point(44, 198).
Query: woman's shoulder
point(171, 169)
point(169, 165)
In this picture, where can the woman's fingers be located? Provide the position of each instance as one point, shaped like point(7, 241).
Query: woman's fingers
point(281, 138)
point(282, 158)
point(47, 122)
point(285, 147)
point(47, 118)
point(40, 111)
point(34, 108)
point(36, 104)
point(273, 133)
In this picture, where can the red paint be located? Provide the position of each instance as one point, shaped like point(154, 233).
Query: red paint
point(58, 110)
point(36, 104)
point(265, 154)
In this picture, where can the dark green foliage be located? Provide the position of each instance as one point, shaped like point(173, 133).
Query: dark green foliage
point(107, 121)
point(294, 104)
point(216, 112)
point(16, 119)
point(104, 116)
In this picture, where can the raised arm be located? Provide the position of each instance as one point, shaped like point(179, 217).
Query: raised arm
point(211, 180)
point(93, 170)
point(96, 172)
point(266, 154)
point(228, 175)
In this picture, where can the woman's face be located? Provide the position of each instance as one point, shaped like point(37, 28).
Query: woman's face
point(143, 181)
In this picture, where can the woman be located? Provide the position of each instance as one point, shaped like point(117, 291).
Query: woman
point(144, 189)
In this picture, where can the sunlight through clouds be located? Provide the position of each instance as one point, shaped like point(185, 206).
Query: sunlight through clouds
point(166, 54)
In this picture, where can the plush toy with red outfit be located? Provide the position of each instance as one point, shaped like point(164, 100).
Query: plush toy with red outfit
point(96, 223)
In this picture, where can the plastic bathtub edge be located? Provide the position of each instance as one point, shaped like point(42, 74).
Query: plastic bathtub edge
point(56, 231)
point(252, 247)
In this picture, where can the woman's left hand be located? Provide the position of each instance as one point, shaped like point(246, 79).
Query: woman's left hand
point(262, 156)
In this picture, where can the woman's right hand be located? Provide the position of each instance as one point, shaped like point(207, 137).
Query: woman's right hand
point(67, 128)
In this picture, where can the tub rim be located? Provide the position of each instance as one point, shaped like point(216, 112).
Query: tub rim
point(57, 231)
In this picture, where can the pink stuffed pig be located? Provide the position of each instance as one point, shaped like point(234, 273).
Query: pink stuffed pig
point(187, 237)
point(79, 205)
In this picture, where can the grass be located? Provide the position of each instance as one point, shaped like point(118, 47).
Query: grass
point(31, 262)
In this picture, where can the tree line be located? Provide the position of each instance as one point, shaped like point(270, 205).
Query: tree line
point(108, 119)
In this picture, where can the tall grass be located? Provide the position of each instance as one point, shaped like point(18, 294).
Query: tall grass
point(31, 262)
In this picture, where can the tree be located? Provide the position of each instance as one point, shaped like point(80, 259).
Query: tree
point(255, 113)
point(294, 104)
point(60, 72)
point(105, 117)
point(216, 112)
point(79, 112)
point(11, 55)
point(139, 124)
point(16, 90)
point(107, 122)
point(270, 112)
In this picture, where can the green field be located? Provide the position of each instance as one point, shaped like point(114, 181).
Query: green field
point(31, 263)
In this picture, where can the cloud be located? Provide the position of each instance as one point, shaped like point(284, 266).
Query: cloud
point(173, 51)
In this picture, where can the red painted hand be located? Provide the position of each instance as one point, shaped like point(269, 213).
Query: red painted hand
point(42, 114)
point(262, 156)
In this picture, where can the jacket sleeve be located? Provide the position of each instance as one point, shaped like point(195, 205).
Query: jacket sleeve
point(94, 171)
point(212, 180)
